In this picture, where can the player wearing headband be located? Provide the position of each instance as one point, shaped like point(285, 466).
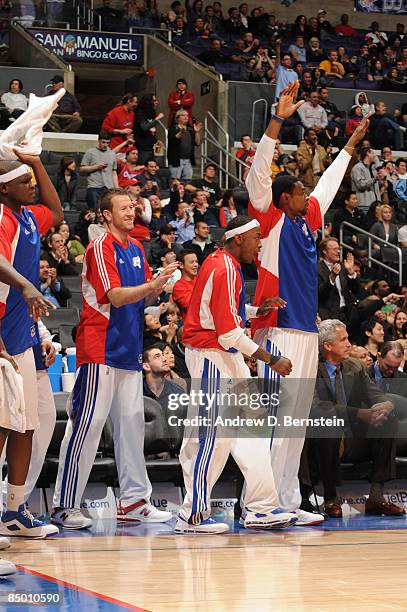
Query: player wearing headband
point(215, 341)
point(21, 226)
point(288, 267)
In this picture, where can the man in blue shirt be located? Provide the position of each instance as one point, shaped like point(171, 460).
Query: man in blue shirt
point(362, 425)
point(284, 73)
point(52, 287)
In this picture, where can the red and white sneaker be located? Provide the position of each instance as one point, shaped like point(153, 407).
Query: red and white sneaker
point(141, 512)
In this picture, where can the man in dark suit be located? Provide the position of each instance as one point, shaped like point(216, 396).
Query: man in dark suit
point(385, 371)
point(367, 428)
point(336, 282)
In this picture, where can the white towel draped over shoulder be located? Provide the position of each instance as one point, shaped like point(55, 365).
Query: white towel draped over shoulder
point(12, 406)
point(25, 133)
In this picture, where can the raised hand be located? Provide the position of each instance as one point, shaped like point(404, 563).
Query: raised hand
point(360, 131)
point(286, 104)
point(349, 263)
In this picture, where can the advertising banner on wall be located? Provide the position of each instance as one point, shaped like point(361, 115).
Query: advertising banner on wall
point(97, 47)
point(390, 7)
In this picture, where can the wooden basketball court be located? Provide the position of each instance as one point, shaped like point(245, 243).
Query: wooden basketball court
point(148, 568)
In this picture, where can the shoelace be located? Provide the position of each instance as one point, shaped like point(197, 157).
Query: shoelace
point(27, 514)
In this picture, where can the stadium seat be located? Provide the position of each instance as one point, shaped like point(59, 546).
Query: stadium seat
point(62, 316)
point(73, 283)
point(71, 217)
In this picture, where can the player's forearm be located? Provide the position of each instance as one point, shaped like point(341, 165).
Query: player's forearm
point(258, 181)
point(120, 296)
point(331, 180)
point(48, 194)
point(273, 128)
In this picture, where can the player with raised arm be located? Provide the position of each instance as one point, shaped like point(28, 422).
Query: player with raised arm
point(288, 268)
point(21, 226)
point(215, 342)
point(116, 283)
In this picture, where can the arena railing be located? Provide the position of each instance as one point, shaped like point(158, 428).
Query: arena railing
point(221, 157)
point(371, 238)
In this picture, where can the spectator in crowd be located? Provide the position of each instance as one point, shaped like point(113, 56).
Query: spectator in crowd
point(382, 124)
point(182, 290)
point(58, 257)
point(233, 24)
point(100, 165)
point(385, 372)
point(284, 72)
point(213, 55)
point(337, 282)
point(51, 286)
point(150, 179)
point(375, 36)
point(207, 184)
point(315, 54)
point(87, 216)
point(364, 179)
point(384, 228)
point(362, 100)
point(306, 84)
point(393, 80)
point(364, 406)
point(332, 66)
point(180, 99)
point(152, 334)
point(75, 247)
point(145, 126)
point(344, 29)
point(97, 228)
point(66, 183)
point(297, 49)
point(263, 68)
point(119, 122)
point(353, 120)
point(164, 242)
point(325, 29)
point(400, 320)
point(202, 211)
point(312, 159)
point(374, 336)
point(350, 213)
point(246, 153)
point(183, 223)
point(112, 19)
point(158, 217)
point(182, 139)
point(376, 71)
point(290, 166)
point(201, 245)
point(312, 114)
point(300, 28)
point(156, 384)
point(67, 116)
point(360, 353)
point(142, 209)
point(130, 168)
point(15, 103)
point(179, 32)
point(227, 211)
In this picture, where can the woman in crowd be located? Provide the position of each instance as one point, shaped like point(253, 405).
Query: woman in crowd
point(376, 72)
point(392, 81)
point(300, 27)
point(67, 183)
point(145, 127)
point(355, 117)
point(384, 228)
point(75, 247)
point(399, 324)
point(228, 210)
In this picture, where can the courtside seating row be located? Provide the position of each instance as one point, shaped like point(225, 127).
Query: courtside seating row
point(162, 438)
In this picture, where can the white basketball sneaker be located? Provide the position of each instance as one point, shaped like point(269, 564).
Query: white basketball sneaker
point(143, 512)
point(22, 524)
point(306, 519)
point(70, 518)
point(7, 568)
point(4, 543)
point(209, 526)
point(276, 519)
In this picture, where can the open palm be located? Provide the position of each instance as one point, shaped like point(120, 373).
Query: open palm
point(286, 104)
